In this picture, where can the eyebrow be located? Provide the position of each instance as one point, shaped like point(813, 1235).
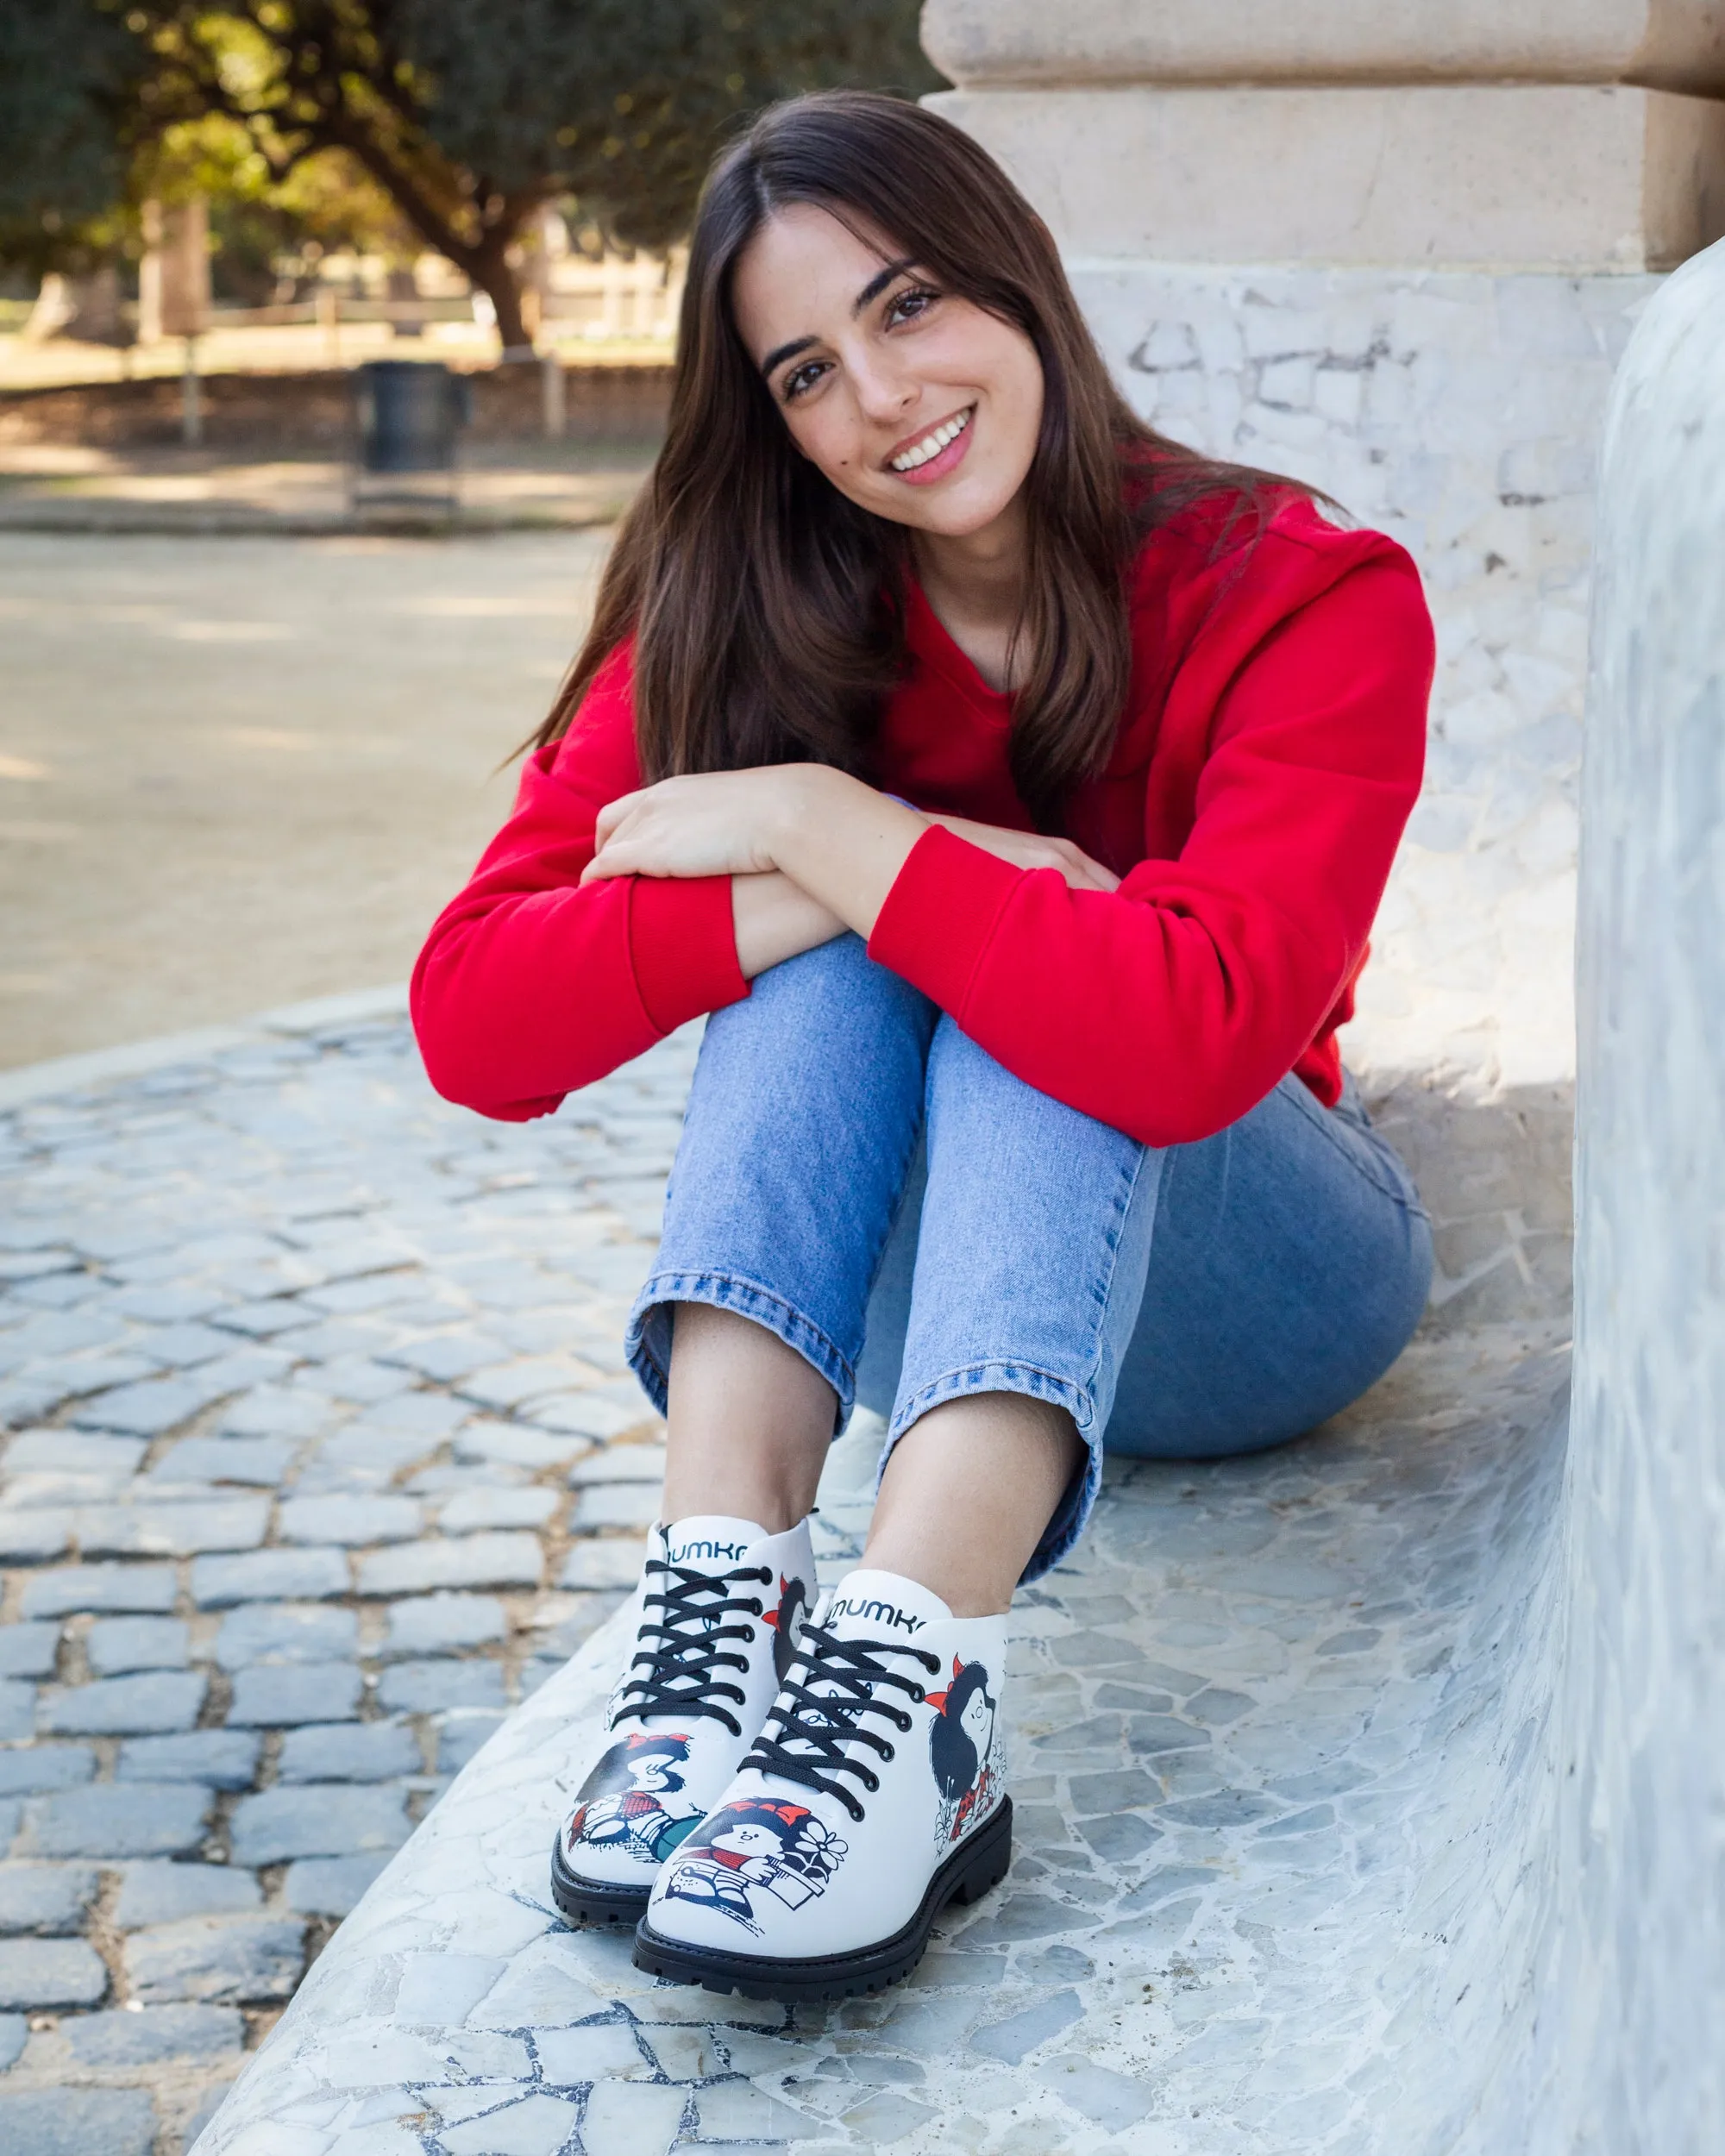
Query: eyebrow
point(878, 284)
point(872, 290)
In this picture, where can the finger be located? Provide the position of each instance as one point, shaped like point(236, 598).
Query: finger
point(612, 814)
point(615, 858)
point(1083, 875)
point(1084, 872)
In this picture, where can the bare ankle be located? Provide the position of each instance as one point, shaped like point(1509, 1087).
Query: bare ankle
point(748, 1424)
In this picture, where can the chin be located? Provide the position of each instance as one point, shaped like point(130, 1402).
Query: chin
point(948, 516)
point(961, 519)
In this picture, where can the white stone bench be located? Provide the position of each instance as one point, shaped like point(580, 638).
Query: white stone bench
point(1270, 1728)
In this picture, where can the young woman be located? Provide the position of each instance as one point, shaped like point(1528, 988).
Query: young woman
point(1016, 790)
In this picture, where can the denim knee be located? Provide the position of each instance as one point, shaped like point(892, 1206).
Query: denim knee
point(802, 1123)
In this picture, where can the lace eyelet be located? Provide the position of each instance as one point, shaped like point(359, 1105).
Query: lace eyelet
point(756, 1608)
point(871, 1782)
point(886, 1751)
point(917, 1694)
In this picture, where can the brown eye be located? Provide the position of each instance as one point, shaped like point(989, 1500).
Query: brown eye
point(909, 305)
point(800, 379)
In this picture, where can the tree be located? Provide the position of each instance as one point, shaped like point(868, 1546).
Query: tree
point(66, 80)
point(471, 116)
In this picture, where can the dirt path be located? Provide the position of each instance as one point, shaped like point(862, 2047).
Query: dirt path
point(237, 773)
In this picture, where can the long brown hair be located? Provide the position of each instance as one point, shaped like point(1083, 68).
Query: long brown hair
point(767, 607)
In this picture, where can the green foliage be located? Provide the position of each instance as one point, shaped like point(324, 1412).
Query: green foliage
point(66, 80)
point(622, 103)
point(325, 205)
point(325, 201)
point(465, 116)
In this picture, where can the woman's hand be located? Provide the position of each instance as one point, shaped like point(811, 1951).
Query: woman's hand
point(841, 843)
point(1032, 850)
point(710, 824)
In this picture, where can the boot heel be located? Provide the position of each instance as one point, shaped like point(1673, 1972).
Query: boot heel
point(990, 1858)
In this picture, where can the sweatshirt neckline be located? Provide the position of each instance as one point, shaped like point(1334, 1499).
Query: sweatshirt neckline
point(933, 643)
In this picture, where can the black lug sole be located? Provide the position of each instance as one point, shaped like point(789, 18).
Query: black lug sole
point(966, 1875)
point(588, 1902)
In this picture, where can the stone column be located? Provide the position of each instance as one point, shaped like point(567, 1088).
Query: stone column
point(1632, 2061)
point(1396, 248)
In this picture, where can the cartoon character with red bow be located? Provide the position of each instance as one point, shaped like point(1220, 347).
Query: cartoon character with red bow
point(786, 1620)
point(764, 1844)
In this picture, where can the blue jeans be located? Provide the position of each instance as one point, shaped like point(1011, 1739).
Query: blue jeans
point(858, 1176)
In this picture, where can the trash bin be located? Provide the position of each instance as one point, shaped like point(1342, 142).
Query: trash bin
point(410, 414)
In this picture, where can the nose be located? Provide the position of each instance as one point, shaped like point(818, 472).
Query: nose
point(884, 393)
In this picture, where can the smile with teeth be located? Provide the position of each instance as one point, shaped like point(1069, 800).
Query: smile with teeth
point(933, 442)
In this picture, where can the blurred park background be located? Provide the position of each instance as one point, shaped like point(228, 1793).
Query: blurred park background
point(251, 726)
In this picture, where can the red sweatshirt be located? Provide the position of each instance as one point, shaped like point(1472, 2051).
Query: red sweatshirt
point(1268, 760)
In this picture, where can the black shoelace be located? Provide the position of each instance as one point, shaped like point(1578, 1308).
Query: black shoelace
point(851, 1674)
point(680, 1676)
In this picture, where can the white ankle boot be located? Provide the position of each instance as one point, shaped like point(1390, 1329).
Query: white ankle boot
point(717, 1614)
point(873, 1797)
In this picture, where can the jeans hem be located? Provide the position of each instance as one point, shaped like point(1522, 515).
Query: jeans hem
point(1071, 1516)
point(650, 1361)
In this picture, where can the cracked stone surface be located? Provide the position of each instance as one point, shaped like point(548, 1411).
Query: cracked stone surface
point(1253, 1719)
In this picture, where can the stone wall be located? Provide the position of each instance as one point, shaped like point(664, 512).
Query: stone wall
point(1459, 412)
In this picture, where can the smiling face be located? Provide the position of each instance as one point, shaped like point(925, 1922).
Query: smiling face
point(655, 1775)
point(914, 403)
point(749, 1838)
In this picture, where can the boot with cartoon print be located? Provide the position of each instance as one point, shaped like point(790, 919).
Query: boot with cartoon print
point(716, 1620)
point(874, 1796)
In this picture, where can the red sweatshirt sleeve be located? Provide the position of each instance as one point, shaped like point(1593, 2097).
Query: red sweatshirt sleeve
point(1171, 1006)
point(530, 984)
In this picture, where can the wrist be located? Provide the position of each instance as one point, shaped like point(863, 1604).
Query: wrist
point(808, 802)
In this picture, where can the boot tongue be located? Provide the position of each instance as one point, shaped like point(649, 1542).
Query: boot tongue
point(711, 1542)
point(867, 1605)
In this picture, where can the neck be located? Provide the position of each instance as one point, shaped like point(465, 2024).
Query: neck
point(978, 576)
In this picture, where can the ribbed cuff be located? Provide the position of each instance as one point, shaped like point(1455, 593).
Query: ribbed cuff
point(682, 946)
point(940, 914)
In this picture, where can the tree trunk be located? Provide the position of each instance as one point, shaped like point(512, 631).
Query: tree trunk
point(489, 268)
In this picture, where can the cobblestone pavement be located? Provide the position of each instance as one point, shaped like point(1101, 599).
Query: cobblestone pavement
point(322, 1455)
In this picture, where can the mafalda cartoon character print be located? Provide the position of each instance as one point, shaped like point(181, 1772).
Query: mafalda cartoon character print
point(758, 1846)
point(967, 1767)
point(786, 1619)
point(634, 1800)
